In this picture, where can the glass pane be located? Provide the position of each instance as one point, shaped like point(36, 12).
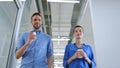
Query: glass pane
point(25, 25)
point(8, 11)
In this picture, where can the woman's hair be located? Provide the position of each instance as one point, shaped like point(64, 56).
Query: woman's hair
point(37, 13)
point(76, 27)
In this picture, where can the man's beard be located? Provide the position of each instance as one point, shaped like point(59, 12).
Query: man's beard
point(78, 38)
point(36, 26)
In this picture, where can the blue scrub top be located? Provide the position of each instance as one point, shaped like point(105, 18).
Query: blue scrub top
point(79, 62)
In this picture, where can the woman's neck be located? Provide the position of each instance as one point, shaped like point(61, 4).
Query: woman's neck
point(78, 43)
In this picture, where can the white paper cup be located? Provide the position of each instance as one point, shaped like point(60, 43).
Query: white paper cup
point(34, 33)
point(79, 52)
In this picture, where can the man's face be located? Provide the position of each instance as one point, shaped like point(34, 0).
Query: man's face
point(36, 21)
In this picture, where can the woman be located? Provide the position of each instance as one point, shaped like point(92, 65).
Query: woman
point(78, 54)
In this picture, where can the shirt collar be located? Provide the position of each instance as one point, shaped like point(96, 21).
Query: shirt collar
point(82, 45)
point(38, 31)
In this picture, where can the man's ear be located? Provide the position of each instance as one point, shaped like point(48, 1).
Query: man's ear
point(31, 21)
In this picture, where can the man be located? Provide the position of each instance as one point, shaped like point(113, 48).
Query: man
point(35, 47)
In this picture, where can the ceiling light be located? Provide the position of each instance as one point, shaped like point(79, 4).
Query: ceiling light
point(58, 54)
point(59, 39)
point(63, 1)
point(10, 0)
point(6, 0)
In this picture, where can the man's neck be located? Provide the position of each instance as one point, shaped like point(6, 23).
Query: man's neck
point(36, 30)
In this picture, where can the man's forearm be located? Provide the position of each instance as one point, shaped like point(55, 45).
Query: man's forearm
point(21, 51)
point(50, 62)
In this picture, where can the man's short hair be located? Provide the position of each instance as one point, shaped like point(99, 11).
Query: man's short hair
point(37, 13)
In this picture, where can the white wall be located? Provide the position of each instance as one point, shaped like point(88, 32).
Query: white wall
point(106, 28)
point(85, 21)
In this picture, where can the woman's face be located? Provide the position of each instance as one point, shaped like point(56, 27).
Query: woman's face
point(78, 32)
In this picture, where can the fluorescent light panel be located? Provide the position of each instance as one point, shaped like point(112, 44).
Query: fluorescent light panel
point(63, 1)
point(10, 0)
point(58, 54)
point(56, 39)
point(6, 0)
